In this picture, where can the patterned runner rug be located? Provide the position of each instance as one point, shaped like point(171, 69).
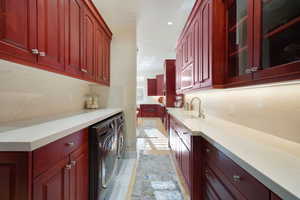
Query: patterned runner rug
point(156, 179)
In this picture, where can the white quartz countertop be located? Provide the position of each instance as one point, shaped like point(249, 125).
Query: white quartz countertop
point(274, 161)
point(33, 134)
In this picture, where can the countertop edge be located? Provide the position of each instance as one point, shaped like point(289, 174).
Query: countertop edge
point(264, 179)
point(29, 146)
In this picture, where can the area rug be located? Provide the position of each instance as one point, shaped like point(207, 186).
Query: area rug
point(156, 179)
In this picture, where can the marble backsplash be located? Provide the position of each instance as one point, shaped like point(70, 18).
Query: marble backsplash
point(274, 109)
point(27, 93)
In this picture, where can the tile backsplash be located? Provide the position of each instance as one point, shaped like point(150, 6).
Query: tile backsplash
point(27, 93)
point(274, 109)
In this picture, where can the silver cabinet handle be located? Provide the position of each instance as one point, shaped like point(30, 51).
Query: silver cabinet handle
point(84, 70)
point(42, 54)
point(236, 178)
point(207, 150)
point(185, 133)
point(68, 167)
point(35, 51)
point(73, 162)
point(70, 144)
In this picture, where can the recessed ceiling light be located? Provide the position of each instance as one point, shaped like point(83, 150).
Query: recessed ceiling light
point(170, 23)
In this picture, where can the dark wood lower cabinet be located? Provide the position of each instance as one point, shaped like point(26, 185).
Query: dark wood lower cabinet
point(65, 179)
point(79, 176)
point(53, 184)
point(15, 175)
point(210, 174)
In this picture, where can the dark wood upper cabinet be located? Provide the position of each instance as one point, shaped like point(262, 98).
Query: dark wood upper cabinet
point(106, 61)
point(151, 84)
point(237, 43)
point(240, 40)
point(51, 38)
point(160, 85)
point(276, 39)
point(170, 82)
point(73, 36)
point(61, 36)
point(200, 56)
point(18, 29)
point(89, 27)
point(263, 41)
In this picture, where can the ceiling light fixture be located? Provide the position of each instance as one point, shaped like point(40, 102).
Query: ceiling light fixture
point(170, 23)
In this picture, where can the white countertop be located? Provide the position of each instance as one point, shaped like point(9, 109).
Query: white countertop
point(30, 135)
point(272, 160)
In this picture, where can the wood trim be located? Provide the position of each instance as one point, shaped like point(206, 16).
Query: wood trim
point(190, 19)
point(91, 6)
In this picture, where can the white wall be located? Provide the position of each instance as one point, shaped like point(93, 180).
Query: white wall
point(27, 93)
point(122, 91)
point(121, 18)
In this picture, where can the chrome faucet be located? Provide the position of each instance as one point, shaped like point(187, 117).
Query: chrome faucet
point(200, 114)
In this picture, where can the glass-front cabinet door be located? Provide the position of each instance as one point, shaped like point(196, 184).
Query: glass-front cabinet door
point(278, 42)
point(239, 39)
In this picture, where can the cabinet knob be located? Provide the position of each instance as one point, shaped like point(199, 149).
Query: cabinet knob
point(42, 54)
point(84, 70)
point(70, 144)
point(73, 162)
point(68, 167)
point(35, 51)
point(207, 150)
point(236, 178)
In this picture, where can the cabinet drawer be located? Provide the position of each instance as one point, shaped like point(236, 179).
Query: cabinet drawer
point(214, 188)
point(238, 177)
point(45, 157)
point(183, 133)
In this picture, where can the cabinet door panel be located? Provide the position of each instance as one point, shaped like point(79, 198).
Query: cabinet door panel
point(240, 40)
point(18, 28)
point(277, 40)
point(185, 153)
point(99, 54)
point(54, 184)
point(51, 33)
point(73, 37)
point(210, 179)
point(206, 21)
point(79, 174)
point(15, 173)
point(160, 85)
point(106, 68)
point(187, 77)
point(151, 87)
point(88, 45)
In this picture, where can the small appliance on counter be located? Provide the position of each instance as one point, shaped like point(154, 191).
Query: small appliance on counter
point(92, 102)
point(179, 101)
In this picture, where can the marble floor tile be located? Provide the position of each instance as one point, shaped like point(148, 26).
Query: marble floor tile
point(167, 195)
point(163, 185)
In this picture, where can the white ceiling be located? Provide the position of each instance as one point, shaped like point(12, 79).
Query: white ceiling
point(156, 40)
point(117, 14)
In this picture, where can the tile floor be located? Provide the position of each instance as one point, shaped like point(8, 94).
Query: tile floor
point(165, 183)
